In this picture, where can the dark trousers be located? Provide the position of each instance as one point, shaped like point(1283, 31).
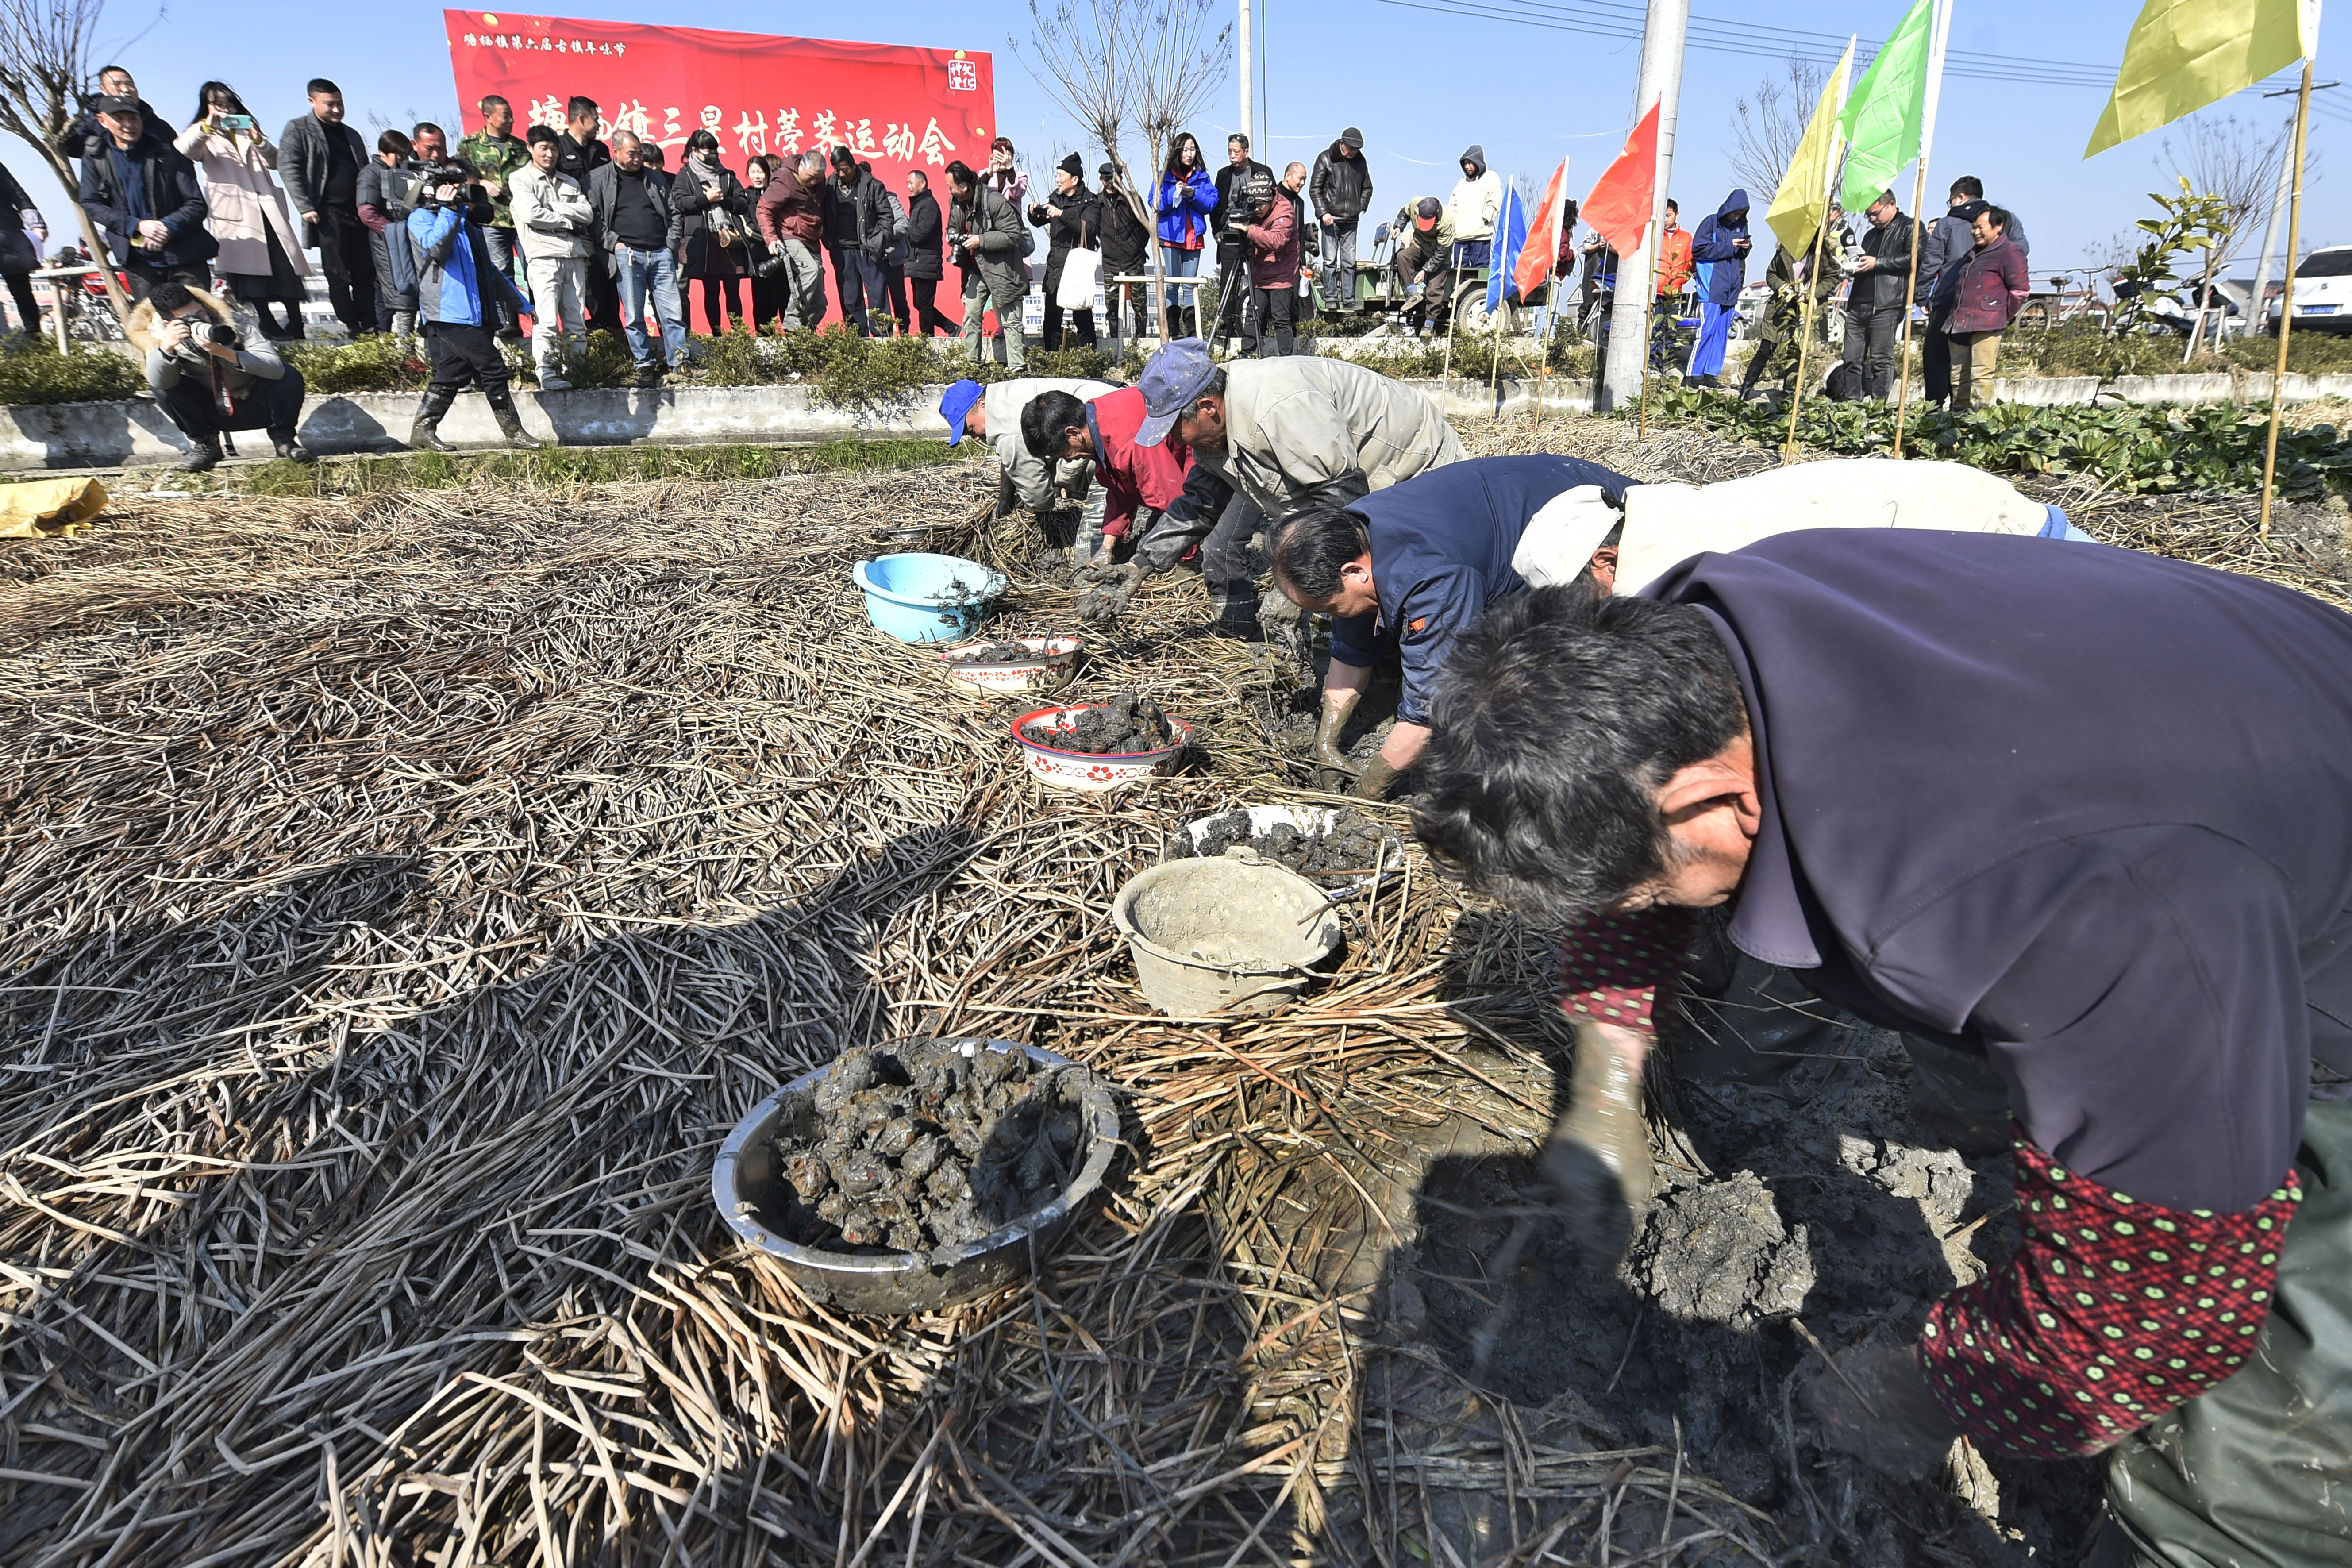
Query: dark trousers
point(20, 288)
point(767, 301)
point(465, 356)
point(1128, 303)
point(1935, 363)
point(348, 259)
point(141, 277)
point(603, 298)
point(1083, 322)
point(922, 295)
point(714, 291)
point(1871, 334)
point(272, 405)
point(894, 288)
point(858, 281)
point(1274, 309)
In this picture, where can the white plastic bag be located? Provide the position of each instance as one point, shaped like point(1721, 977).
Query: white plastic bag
point(1081, 277)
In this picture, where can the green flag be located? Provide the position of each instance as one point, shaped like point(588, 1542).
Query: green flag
point(1883, 118)
point(1803, 200)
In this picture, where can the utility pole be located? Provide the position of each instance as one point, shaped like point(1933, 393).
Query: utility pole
point(2257, 311)
point(1628, 318)
point(1249, 127)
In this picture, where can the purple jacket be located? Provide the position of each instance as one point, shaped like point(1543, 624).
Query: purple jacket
point(1987, 289)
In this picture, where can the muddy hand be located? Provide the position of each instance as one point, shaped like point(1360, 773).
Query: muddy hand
point(1598, 1156)
point(1328, 757)
point(1874, 1403)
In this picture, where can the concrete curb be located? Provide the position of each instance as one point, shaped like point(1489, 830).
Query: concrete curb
point(35, 437)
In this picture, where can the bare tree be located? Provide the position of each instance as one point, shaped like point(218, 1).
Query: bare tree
point(1768, 125)
point(1106, 62)
point(2237, 165)
point(45, 53)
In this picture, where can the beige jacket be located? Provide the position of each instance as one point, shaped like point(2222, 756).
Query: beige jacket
point(1300, 429)
point(241, 190)
point(1033, 478)
point(553, 219)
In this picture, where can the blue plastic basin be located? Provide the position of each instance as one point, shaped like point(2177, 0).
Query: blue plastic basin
point(927, 598)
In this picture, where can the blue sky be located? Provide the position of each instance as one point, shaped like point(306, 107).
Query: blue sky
point(1420, 84)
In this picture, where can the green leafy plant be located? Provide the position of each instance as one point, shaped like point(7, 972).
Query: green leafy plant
point(2186, 222)
point(32, 370)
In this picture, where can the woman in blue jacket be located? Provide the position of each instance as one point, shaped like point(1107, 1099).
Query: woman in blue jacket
point(1185, 199)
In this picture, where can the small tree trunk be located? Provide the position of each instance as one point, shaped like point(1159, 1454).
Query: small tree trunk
point(2204, 300)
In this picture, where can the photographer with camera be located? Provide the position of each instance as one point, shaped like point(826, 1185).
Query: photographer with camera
point(460, 297)
point(1071, 219)
point(984, 237)
point(791, 218)
point(212, 368)
point(1270, 237)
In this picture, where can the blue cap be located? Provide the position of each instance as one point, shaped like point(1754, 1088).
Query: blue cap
point(958, 403)
point(1171, 379)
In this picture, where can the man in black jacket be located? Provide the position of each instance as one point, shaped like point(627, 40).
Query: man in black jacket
point(320, 158)
point(637, 235)
point(1227, 219)
point(145, 198)
point(1071, 219)
point(579, 154)
point(1881, 296)
point(857, 233)
point(83, 136)
point(926, 230)
point(1342, 188)
point(1126, 250)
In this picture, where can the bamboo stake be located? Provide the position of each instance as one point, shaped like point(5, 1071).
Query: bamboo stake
point(1657, 241)
point(1910, 287)
point(1805, 332)
point(2286, 300)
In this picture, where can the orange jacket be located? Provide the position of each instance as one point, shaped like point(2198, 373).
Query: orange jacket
point(1675, 262)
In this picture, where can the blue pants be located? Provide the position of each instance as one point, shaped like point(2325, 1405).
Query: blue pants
point(653, 273)
point(1714, 338)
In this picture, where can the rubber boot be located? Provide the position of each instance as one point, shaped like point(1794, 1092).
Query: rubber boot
point(502, 409)
point(425, 435)
point(1334, 770)
point(1598, 1156)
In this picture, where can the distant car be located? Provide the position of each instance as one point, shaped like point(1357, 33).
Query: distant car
point(2322, 293)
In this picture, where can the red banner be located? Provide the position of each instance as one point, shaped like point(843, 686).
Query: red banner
point(900, 108)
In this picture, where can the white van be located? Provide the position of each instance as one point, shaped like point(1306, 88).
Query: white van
point(2322, 293)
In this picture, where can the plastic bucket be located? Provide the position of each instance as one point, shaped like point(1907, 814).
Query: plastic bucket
point(1223, 935)
point(927, 598)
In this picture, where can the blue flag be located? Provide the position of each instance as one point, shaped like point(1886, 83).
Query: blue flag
point(1510, 235)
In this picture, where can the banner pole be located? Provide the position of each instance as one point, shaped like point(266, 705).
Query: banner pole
point(1805, 334)
point(1910, 287)
point(1930, 100)
point(2286, 300)
point(1649, 324)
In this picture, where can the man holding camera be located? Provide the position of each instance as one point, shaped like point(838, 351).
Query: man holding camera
point(142, 193)
point(984, 238)
point(212, 369)
point(460, 297)
point(1230, 220)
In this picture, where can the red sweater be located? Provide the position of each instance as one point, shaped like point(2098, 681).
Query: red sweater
point(1133, 477)
point(1274, 246)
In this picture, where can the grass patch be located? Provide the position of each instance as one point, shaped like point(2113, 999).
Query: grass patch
point(1477, 358)
point(32, 370)
point(564, 468)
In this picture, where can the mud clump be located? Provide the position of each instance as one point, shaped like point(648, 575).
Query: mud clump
point(998, 652)
point(920, 1147)
point(1351, 843)
point(1124, 725)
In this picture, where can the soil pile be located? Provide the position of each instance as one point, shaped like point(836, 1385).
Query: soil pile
point(1121, 727)
point(920, 1146)
point(998, 653)
point(1351, 843)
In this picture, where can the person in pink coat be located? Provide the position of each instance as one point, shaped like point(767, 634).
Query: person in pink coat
point(1979, 299)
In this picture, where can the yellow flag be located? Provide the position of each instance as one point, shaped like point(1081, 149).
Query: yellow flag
point(1803, 200)
point(2185, 54)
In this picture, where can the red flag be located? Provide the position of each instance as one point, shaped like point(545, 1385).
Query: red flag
point(1620, 204)
point(1542, 250)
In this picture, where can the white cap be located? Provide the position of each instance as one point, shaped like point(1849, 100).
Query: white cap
point(1560, 540)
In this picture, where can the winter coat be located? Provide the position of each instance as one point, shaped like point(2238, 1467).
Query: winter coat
point(1274, 243)
point(1713, 243)
point(1230, 182)
point(1981, 294)
point(1078, 229)
point(456, 283)
point(926, 228)
point(1126, 242)
point(19, 251)
point(1134, 479)
point(604, 194)
point(901, 246)
point(1882, 287)
point(173, 198)
point(1950, 239)
point(1032, 477)
point(554, 220)
point(1342, 187)
point(790, 210)
point(859, 217)
point(257, 358)
point(1780, 277)
point(1184, 206)
point(1010, 183)
point(579, 161)
point(387, 194)
point(994, 254)
point(304, 148)
point(1673, 261)
point(1302, 431)
point(502, 157)
point(244, 201)
point(698, 239)
point(1478, 199)
point(1438, 242)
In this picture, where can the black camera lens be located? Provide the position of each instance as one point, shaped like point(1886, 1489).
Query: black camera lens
point(220, 335)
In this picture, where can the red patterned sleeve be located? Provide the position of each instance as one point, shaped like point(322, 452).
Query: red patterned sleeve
point(2111, 1313)
point(1619, 962)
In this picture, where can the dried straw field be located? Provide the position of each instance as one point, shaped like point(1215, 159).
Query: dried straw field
point(404, 895)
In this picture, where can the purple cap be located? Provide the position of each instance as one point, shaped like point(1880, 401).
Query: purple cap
point(956, 404)
point(1171, 379)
